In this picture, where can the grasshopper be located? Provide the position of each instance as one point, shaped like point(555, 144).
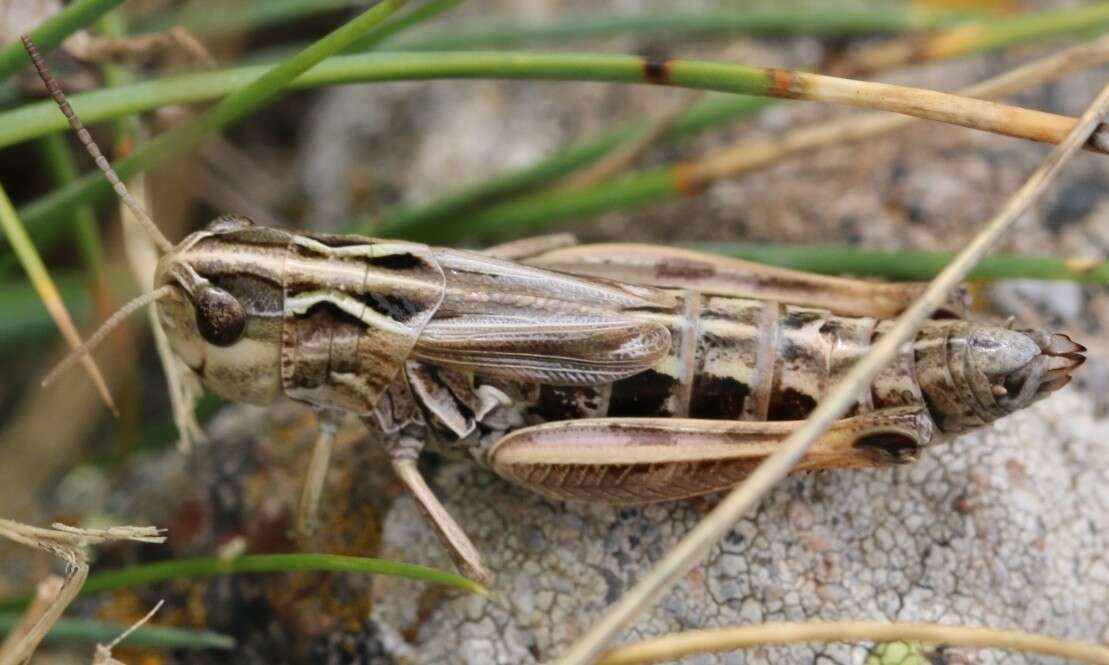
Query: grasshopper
point(617, 373)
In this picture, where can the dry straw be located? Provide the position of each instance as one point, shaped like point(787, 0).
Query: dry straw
point(679, 645)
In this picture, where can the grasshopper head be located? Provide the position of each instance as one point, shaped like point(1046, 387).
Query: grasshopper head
point(216, 320)
point(220, 318)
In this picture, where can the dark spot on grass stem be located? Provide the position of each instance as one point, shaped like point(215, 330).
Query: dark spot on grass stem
point(656, 70)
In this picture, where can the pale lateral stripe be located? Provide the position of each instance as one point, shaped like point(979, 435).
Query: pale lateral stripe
point(263, 263)
point(328, 250)
point(394, 248)
point(301, 303)
point(360, 275)
point(585, 454)
point(369, 249)
point(340, 275)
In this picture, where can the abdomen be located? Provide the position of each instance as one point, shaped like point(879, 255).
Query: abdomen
point(741, 359)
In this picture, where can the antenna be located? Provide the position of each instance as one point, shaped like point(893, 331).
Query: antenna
point(55, 90)
point(105, 328)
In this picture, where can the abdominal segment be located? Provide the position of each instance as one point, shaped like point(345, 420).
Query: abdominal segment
point(741, 359)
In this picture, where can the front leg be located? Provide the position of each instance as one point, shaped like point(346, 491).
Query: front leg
point(309, 508)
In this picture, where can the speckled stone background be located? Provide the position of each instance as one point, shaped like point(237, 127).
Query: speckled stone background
point(1006, 528)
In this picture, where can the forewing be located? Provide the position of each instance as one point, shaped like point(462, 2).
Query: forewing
point(506, 320)
point(556, 350)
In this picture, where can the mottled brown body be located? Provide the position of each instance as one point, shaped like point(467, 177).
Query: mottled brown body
point(571, 383)
point(629, 376)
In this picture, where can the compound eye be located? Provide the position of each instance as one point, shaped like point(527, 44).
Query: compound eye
point(227, 223)
point(220, 318)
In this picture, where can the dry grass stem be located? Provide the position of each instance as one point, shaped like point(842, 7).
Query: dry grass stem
point(687, 553)
point(183, 386)
point(949, 43)
point(749, 155)
point(625, 155)
point(46, 592)
point(47, 291)
point(109, 49)
point(103, 653)
point(68, 544)
point(968, 112)
point(689, 643)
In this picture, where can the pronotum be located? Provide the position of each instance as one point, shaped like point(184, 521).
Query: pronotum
point(618, 373)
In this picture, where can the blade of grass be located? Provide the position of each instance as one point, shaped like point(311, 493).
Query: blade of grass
point(88, 631)
point(233, 19)
point(678, 645)
point(837, 20)
point(697, 543)
point(177, 569)
point(51, 32)
point(686, 178)
point(911, 266)
point(48, 292)
point(209, 20)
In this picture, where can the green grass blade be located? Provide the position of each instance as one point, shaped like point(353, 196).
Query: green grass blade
point(177, 569)
point(910, 266)
point(988, 34)
point(239, 17)
point(87, 631)
point(52, 31)
point(759, 21)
